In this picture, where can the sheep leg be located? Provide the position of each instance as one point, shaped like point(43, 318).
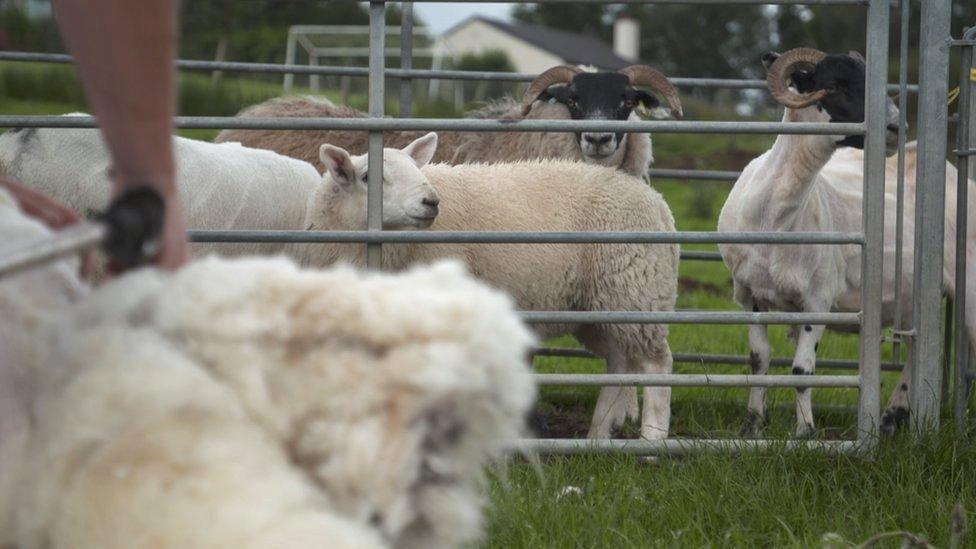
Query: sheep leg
point(615, 404)
point(759, 362)
point(656, 420)
point(804, 363)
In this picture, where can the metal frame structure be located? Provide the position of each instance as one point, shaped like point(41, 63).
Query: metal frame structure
point(925, 336)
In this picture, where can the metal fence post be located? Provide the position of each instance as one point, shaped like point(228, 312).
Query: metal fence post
point(899, 316)
point(872, 258)
point(290, 60)
point(374, 194)
point(406, 58)
point(963, 130)
point(930, 213)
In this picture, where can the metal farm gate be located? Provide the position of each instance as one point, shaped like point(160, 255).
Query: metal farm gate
point(921, 330)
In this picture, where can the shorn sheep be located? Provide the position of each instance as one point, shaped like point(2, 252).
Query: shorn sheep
point(542, 196)
point(223, 186)
point(814, 183)
point(249, 403)
point(562, 92)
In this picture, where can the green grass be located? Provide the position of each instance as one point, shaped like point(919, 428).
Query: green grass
point(775, 499)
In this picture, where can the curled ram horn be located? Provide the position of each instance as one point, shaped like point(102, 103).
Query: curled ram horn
point(642, 75)
point(563, 74)
point(783, 67)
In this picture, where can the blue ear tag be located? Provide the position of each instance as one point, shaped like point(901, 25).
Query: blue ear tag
point(552, 101)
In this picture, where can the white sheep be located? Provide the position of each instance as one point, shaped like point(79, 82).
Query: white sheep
point(562, 92)
point(539, 196)
point(250, 403)
point(223, 186)
point(812, 183)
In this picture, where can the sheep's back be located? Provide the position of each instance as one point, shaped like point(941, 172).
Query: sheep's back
point(556, 196)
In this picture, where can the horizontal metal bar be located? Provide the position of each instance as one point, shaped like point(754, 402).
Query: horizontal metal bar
point(21, 256)
point(966, 152)
point(695, 380)
point(687, 317)
point(707, 175)
point(692, 255)
point(521, 237)
point(692, 358)
point(692, 2)
point(962, 43)
point(462, 124)
point(421, 74)
point(676, 446)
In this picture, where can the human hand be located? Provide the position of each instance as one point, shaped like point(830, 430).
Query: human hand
point(48, 211)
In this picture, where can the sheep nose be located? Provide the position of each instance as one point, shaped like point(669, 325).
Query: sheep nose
point(431, 201)
point(601, 139)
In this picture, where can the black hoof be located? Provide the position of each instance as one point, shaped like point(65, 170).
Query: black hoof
point(537, 422)
point(755, 425)
point(893, 420)
point(807, 433)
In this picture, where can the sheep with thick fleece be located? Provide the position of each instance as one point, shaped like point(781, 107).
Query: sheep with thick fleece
point(250, 403)
point(540, 196)
point(563, 92)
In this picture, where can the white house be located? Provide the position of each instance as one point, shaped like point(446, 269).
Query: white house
point(533, 48)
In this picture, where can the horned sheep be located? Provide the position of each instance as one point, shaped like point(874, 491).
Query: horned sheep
point(250, 403)
point(815, 183)
point(562, 92)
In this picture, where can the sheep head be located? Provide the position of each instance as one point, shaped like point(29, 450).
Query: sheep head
point(834, 83)
point(590, 95)
point(409, 200)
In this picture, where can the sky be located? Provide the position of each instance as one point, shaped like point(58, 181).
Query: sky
point(441, 16)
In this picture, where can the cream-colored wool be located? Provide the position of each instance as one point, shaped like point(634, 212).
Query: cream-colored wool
point(248, 403)
point(634, 156)
point(547, 196)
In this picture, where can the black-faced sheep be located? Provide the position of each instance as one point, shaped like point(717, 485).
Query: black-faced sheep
point(815, 183)
point(563, 92)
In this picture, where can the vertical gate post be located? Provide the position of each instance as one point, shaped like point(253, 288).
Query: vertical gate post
point(374, 183)
point(872, 258)
point(930, 213)
point(290, 60)
point(406, 58)
point(963, 142)
point(899, 316)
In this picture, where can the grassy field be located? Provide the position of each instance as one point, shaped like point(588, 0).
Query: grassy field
point(775, 499)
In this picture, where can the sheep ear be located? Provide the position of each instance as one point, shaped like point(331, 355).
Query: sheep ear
point(422, 150)
point(769, 58)
point(337, 162)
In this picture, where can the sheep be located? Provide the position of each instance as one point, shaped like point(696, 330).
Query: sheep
point(562, 92)
point(814, 183)
point(531, 196)
point(551, 195)
point(247, 402)
point(223, 186)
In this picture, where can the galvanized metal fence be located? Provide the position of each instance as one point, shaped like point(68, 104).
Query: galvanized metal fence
point(923, 332)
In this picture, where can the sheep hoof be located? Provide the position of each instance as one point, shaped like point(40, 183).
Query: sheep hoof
point(537, 422)
point(805, 431)
point(755, 425)
point(893, 420)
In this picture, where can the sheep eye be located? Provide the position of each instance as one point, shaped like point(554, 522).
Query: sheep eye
point(571, 103)
point(365, 177)
point(629, 103)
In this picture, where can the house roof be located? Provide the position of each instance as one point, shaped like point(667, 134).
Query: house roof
point(575, 48)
